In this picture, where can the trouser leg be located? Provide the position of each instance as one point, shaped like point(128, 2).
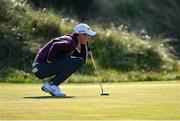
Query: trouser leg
point(61, 68)
point(73, 67)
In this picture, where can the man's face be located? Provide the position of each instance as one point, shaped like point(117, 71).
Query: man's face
point(83, 38)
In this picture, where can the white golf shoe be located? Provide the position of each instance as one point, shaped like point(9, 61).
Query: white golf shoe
point(52, 90)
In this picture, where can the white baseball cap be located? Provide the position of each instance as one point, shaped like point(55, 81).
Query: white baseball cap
point(83, 28)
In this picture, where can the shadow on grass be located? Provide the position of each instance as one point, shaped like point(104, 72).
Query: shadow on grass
point(49, 97)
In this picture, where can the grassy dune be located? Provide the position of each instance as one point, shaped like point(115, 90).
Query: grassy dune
point(118, 52)
point(152, 101)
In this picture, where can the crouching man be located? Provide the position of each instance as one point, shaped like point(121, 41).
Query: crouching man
point(61, 57)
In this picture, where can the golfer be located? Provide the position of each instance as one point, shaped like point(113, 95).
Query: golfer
point(61, 57)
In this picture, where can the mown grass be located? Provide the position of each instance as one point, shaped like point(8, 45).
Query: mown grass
point(133, 101)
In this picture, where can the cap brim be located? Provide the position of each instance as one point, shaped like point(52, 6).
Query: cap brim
point(91, 33)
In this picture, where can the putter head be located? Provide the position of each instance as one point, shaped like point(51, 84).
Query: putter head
point(104, 94)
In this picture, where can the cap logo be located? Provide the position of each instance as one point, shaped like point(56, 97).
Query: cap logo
point(82, 31)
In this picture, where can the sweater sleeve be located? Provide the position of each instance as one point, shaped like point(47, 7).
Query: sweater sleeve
point(57, 47)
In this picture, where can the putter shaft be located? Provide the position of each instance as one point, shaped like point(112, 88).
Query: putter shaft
point(97, 73)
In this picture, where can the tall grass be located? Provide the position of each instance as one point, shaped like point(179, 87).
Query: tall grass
point(156, 17)
point(115, 49)
point(126, 51)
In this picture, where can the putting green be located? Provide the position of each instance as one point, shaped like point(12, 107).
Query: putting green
point(132, 101)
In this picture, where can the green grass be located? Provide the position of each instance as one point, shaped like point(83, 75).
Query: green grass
point(87, 74)
point(150, 100)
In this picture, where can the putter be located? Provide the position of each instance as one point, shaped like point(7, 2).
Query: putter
point(98, 76)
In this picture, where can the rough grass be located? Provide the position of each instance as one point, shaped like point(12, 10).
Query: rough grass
point(89, 76)
point(137, 101)
point(25, 29)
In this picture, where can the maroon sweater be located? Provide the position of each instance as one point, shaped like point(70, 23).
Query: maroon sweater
point(61, 47)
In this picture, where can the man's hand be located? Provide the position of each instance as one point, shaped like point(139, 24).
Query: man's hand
point(48, 61)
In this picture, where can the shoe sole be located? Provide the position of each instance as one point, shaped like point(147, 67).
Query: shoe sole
point(44, 89)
